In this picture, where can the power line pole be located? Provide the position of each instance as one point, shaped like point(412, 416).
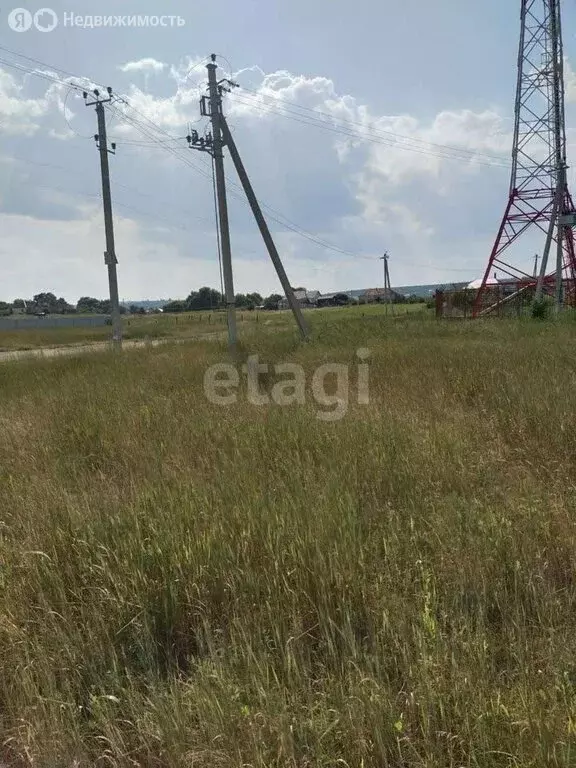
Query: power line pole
point(389, 292)
point(211, 106)
point(215, 99)
point(110, 259)
point(264, 231)
point(387, 285)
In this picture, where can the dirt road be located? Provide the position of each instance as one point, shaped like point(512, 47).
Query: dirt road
point(99, 346)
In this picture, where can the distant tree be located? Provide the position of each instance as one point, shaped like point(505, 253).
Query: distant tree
point(62, 307)
point(242, 301)
point(415, 299)
point(5, 308)
point(255, 299)
point(134, 309)
point(87, 304)
point(19, 304)
point(272, 301)
point(175, 306)
point(205, 298)
point(248, 300)
point(45, 302)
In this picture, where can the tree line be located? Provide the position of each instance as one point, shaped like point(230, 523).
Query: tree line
point(209, 298)
point(48, 303)
point(204, 299)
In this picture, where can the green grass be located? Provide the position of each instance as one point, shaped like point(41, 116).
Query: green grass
point(189, 585)
point(182, 326)
point(135, 327)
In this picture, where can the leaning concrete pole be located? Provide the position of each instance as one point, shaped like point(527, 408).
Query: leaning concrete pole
point(264, 231)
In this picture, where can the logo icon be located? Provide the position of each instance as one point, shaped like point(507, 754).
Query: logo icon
point(20, 20)
point(45, 20)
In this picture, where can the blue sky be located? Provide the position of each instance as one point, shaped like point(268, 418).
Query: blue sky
point(439, 73)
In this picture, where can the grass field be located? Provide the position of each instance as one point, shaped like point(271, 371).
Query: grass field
point(186, 584)
point(177, 326)
point(135, 327)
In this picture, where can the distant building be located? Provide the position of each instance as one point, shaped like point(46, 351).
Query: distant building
point(375, 295)
point(341, 299)
point(502, 286)
point(366, 296)
point(305, 299)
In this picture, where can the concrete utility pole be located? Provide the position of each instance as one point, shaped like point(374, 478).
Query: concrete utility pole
point(264, 231)
point(110, 259)
point(387, 286)
point(211, 106)
point(215, 98)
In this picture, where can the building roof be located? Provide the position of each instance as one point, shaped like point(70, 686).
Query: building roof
point(375, 293)
point(476, 284)
point(301, 294)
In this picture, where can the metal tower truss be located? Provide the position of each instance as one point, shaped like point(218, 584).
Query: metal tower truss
point(540, 207)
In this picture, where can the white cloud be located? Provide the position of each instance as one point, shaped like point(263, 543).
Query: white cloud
point(19, 115)
point(569, 82)
point(143, 65)
point(351, 183)
point(399, 145)
point(66, 257)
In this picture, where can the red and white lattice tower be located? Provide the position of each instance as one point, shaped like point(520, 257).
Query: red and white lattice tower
point(539, 202)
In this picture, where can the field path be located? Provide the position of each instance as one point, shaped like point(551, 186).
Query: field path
point(97, 346)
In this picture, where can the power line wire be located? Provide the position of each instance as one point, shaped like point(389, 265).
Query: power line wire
point(272, 213)
point(44, 64)
point(349, 133)
point(236, 190)
point(257, 95)
point(43, 75)
point(116, 184)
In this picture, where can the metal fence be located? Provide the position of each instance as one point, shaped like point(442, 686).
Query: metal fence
point(22, 322)
point(506, 299)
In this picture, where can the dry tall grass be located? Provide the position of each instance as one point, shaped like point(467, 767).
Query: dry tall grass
point(189, 585)
point(189, 325)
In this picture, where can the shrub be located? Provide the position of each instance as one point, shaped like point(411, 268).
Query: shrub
point(541, 309)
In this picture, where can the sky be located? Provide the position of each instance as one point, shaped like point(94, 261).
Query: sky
point(342, 116)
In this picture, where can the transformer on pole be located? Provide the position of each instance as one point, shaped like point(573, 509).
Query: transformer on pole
point(539, 201)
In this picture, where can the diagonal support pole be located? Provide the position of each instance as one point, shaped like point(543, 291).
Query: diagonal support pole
point(263, 226)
